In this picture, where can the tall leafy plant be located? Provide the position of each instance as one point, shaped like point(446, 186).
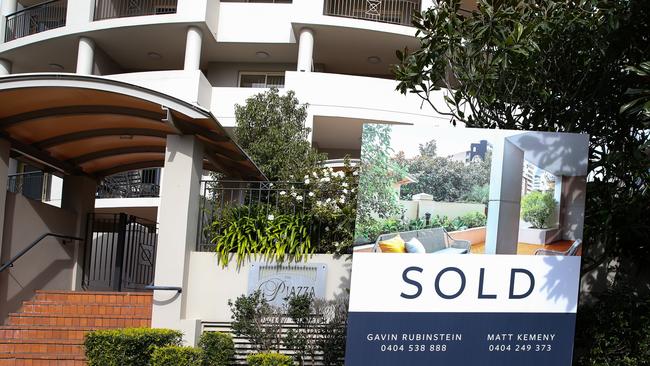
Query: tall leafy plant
point(537, 208)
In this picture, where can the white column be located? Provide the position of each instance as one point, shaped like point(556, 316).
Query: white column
point(193, 49)
point(306, 50)
point(78, 195)
point(178, 214)
point(85, 56)
point(5, 147)
point(5, 67)
point(6, 7)
point(505, 198)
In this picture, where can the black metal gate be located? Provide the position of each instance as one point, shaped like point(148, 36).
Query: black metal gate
point(120, 252)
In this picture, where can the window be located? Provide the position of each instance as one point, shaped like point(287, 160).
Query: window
point(261, 80)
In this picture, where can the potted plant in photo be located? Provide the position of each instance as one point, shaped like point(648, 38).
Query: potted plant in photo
point(537, 208)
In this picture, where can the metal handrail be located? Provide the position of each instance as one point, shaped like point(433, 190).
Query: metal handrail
point(33, 244)
point(164, 288)
point(31, 7)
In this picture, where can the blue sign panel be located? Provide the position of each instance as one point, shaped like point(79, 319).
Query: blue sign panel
point(462, 310)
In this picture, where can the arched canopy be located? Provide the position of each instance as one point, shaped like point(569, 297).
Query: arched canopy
point(89, 125)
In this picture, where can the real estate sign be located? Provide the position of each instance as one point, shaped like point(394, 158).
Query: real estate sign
point(442, 214)
point(423, 309)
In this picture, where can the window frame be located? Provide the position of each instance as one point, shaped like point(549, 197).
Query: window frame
point(266, 77)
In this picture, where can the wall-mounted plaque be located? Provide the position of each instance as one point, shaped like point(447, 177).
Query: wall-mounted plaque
point(277, 282)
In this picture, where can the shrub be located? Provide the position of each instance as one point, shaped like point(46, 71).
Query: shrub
point(218, 348)
point(269, 359)
point(177, 356)
point(537, 207)
point(254, 318)
point(306, 312)
point(615, 330)
point(132, 346)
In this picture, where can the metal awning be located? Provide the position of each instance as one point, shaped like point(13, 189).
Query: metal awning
point(73, 124)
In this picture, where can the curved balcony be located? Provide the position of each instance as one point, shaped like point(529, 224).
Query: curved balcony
point(111, 9)
point(36, 19)
point(384, 11)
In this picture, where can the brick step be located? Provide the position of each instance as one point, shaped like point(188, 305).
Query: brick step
point(131, 298)
point(38, 359)
point(43, 332)
point(84, 309)
point(77, 320)
point(42, 346)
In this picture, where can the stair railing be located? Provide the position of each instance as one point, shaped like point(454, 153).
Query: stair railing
point(35, 243)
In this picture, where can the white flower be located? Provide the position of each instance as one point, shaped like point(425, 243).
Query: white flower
point(326, 179)
point(311, 194)
point(299, 198)
point(314, 174)
point(291, 176)
point(282, 193)
point(340, 174)
point(293, 194)
point(270, 184)
point(270, 217)
point(342, 200)
point(355, 173)
point(307, 181)
point(345, 191)
point(305, 177)
point(327, 228)
point(319, 203)
point(345, 185)
point(328, 200)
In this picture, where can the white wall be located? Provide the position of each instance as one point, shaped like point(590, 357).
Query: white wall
point(210, 286)
point(449, 209)
point(49, 266)
point(255, 23)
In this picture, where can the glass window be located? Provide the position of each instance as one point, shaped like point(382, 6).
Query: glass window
point(261, 80)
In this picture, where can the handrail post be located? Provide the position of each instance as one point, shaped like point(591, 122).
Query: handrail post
point(119, 254)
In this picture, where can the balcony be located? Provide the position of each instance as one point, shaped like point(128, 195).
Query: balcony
point(36, 19)
point(111, 9)
point(384, 11)
point(134, 184)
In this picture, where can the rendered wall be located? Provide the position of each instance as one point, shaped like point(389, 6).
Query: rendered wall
point(49, 266)
point(449, 209)
point(210, 286)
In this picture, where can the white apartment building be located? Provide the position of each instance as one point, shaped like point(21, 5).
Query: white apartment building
point(335, 54)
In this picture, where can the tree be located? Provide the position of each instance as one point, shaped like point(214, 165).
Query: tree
point(271, 129)
point(551, 66)
point(537, 208)
point(377, 197)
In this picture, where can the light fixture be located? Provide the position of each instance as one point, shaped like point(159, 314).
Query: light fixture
point(374, 60)
point(154, 55)
point(262, 55)
point(56, 67)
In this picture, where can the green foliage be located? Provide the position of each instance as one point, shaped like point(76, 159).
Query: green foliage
point(478, 194)
point(269, 359)
point(261, 229)
point(467, 221)
point(218, 348)
point(305, 312)
point(379, 173)
point(552, 66)
point(333, 331)
point(446, 180)
point(615, 330)
point(132, 346)
point(537, 208)
point(177, 356)
point(254, 318)
point(271, 129)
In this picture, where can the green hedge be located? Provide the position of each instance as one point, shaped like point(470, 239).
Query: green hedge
point(177, 356)
point(132, 346)
point(218, 348)
point(269, 359)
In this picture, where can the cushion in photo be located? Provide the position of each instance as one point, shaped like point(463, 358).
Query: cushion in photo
point(394, 245)
point(414, 246)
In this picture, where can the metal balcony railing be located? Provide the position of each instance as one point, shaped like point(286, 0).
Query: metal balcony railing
point(384, 11)
point(110, 9)
point(36, 19)
point(133, 184)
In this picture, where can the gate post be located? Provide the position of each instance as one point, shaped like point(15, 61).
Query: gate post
point(119, 253)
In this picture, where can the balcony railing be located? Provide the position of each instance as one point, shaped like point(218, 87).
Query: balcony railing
point(31, 185)
point(36, 19)
point(110, 9)
point(385, 11)
point(133, 184)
